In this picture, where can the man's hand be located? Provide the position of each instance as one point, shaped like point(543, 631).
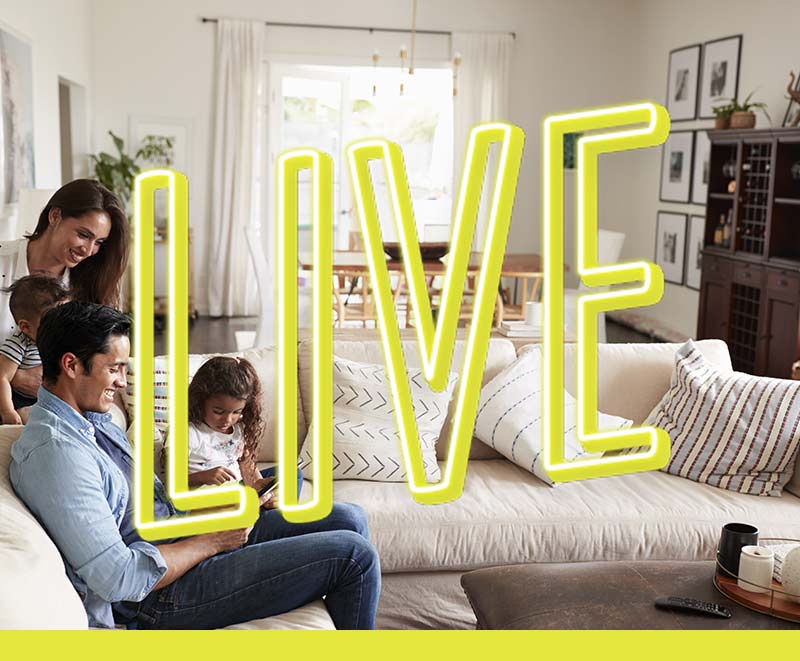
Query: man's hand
point(226, 540)
point(11, 418)
point(181, 556)
point(27, 382)
point(213, 476)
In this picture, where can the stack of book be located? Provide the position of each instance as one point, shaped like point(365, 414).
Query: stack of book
point(519, 329)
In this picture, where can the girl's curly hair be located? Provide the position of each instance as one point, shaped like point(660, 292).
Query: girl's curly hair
point(237, 378)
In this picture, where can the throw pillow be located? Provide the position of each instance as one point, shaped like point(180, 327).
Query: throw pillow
point(731, 430)
point(510, 416)
point(366, 442)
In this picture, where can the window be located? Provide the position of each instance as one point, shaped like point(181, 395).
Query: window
point(329, 107)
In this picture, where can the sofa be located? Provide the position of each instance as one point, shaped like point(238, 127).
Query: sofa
point(504, 516)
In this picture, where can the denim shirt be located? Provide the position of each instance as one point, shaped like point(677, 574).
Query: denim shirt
point(80, 497)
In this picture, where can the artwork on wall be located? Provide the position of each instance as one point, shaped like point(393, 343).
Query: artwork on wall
point(702, 150)
point(670, 245)
point(694, 251)
point(720, 77)
point(792, 117)
point(684, 70)
point(676, 167)
point(16, 92)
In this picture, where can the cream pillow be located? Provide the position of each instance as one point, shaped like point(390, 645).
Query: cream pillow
point(366, 442)
point(509, 416)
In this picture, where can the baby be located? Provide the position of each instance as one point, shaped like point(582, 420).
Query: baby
point(31, 297)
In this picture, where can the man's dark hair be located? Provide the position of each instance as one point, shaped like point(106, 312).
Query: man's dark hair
point(84, 329)
point(33, 295)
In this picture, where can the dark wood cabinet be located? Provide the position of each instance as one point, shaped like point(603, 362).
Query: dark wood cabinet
point(750, 284)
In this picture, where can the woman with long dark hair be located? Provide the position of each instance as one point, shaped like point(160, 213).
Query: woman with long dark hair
point(82, 239)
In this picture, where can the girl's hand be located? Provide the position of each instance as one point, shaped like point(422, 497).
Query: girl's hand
point(250, 473)
point(213, 476)
point(267, 501)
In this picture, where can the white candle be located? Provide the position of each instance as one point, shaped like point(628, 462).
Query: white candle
point(755, 568)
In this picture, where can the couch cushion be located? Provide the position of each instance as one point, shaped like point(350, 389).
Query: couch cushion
point(632, 378)
point(35, 592)
point(500, 354)
point(310, 616)
point(507, 516)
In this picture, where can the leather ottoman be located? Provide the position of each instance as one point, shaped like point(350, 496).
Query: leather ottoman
point(601, 595)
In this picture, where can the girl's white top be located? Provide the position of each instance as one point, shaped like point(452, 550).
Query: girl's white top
point(209, 448)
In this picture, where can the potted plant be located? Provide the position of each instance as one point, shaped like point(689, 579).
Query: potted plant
point(742, 115)
point(117, 172)
point(722, 115)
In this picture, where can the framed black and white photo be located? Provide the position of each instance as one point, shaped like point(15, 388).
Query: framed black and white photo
point(684, 70)
point(676, 167)
point(694, 251)
point(702, 150)
point(793, 111)
point(671, 245)
point(720, 77)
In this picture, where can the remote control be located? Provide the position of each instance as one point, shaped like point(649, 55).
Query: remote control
point(687, 605)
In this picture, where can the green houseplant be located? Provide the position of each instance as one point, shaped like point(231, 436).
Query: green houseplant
point(722, 115)
point(116, 172)
point(742, 115)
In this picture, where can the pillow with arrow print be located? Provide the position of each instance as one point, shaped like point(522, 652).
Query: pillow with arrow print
point(366, 441)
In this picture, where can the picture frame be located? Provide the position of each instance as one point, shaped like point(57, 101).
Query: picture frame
point(670, 253)
point(720, 73)
point(676, 167)
point(694, 251)
point(793, 109)
point(17, 158)
point(700, 167)
point(682, 82)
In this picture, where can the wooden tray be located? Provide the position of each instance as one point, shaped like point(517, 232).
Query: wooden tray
point(776, 602)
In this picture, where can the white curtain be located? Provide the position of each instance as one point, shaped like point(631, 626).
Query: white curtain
point(232, 289)
point(483, 90)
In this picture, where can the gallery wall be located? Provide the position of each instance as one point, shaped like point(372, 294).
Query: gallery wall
point(770, 48)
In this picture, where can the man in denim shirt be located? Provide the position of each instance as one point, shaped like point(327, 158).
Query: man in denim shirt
point(72, 467)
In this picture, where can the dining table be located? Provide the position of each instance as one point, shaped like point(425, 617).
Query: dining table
point(524, 268)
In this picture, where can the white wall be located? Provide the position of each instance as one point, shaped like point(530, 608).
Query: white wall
point(154, 57)
point(59, 33)
point(770, 49)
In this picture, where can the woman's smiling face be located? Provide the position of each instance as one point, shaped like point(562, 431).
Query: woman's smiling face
point(75, 239)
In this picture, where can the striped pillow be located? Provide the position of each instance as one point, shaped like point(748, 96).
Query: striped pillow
point(728, 429)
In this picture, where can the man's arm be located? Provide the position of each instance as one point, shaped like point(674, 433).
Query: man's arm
point(8, 368)
point(62, 485)
point(181, 556)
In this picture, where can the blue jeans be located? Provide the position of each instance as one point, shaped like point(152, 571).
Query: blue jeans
point(282, 566)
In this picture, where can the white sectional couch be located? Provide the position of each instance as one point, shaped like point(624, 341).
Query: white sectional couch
point(504, 516)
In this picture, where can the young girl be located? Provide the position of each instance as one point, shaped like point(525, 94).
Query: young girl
point(226, 424)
